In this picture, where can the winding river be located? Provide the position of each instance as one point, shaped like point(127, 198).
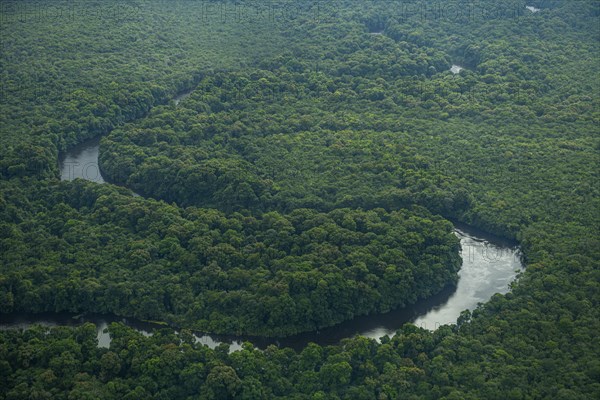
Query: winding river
point(489, 265)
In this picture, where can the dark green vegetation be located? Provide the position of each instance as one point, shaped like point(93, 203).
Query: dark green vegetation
point(314, 121)
point(74, 70)
point(96, 249)
point(92, 249)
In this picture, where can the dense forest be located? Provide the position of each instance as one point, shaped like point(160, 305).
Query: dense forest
point(272, 275)
point(309, 178)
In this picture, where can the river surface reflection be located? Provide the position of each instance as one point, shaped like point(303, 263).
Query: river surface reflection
point(81, 161)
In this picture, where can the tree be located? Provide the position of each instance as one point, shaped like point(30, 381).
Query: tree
point(222, 382)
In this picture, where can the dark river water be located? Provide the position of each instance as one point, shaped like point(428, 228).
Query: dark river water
point(489, 265)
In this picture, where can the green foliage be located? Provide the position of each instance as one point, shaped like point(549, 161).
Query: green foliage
point(292, 176)
point(93, 249)
point(415, 364)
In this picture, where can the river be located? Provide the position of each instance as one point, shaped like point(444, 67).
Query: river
point(489, 265)
point(81, 161)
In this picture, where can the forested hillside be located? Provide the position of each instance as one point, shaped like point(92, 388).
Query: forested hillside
point(308, 179)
